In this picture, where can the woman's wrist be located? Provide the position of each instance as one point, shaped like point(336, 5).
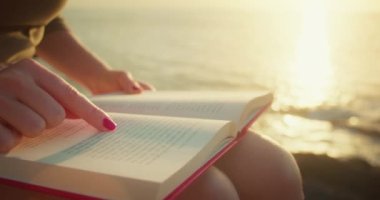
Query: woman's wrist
point(92, 74)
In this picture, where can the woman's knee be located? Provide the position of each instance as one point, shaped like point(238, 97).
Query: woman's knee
point(266, 170)
point(278, 168)
point(213, 184)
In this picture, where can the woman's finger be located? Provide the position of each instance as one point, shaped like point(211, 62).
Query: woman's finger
point(127, 83)
point(74, 101)
point(147, 86)
point(70, 115)
point(20, 117)
point(8, 138)
point(46, 106)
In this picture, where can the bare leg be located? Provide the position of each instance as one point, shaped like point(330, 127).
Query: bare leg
point(261, 169)
point(211, 185)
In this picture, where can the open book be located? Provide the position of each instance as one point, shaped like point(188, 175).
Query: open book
point(164, 140)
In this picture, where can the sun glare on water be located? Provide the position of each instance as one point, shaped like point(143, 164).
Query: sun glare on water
point(310, 77)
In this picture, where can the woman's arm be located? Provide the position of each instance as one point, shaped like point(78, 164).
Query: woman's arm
point(62, 50)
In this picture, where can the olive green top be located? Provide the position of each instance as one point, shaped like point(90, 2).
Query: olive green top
point(23, 24)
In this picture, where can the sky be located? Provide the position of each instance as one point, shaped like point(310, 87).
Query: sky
point(287, 5)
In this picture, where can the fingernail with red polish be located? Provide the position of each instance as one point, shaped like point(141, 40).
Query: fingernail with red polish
point(108, 124)
point(135, 88)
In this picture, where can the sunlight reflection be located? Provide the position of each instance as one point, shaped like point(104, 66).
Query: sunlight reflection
point(310, 78)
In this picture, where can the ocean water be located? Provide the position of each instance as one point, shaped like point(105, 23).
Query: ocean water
point(323, 67)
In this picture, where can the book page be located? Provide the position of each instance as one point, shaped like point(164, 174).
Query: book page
point(53, 141)
point(228, 106)
point(142, 147)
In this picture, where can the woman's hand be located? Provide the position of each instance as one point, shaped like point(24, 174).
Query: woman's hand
point(115, 81)
point(33, 99)
point(64, 52)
